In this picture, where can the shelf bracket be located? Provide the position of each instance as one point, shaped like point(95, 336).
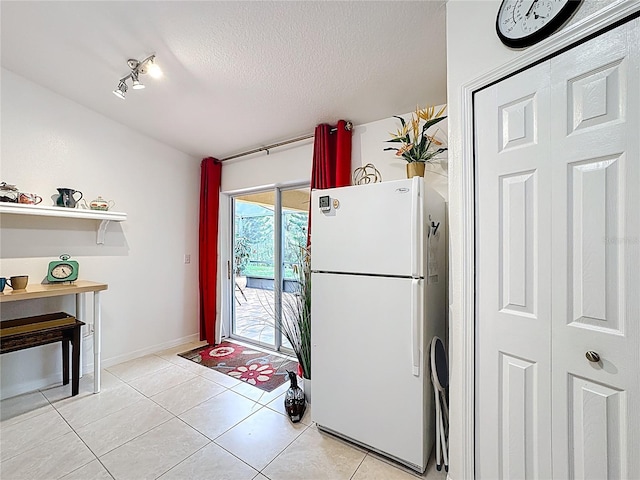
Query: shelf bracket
point(102, 228)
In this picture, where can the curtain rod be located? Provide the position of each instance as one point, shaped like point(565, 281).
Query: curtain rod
point(348, 127)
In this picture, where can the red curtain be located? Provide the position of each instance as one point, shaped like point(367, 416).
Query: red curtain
point(331, 156)
point(331, 160)
point(210, 176)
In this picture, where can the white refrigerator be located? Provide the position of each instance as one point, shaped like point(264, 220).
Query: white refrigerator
point(378, 290)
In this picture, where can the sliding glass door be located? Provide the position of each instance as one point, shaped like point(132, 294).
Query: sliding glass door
point(269, 236)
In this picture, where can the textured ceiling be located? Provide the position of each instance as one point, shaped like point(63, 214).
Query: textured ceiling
point(237, 75)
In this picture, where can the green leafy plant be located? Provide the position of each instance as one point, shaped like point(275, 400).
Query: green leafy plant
point(241, 253)
point(416, 145)
point(295, 323)
point(296, 313)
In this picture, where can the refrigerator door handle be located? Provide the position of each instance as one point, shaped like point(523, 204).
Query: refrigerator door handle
point(415, 326)
point(415, 227)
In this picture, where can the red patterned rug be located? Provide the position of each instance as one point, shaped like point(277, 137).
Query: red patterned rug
point(263, 370)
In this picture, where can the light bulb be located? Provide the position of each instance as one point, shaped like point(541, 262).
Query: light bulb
point(154, 70)
point(135, 83)
point(121, 90)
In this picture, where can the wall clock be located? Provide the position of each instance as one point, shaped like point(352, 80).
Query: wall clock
point(521, 23)
point(63, 270)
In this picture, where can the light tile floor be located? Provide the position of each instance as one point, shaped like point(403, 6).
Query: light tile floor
point(162, 416)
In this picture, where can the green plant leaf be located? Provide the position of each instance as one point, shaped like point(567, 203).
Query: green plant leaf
point(401, 120)
point(431, 123)
point(296, 313)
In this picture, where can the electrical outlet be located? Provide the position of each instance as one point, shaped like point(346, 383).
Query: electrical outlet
point(187, 258)
point(88, 330)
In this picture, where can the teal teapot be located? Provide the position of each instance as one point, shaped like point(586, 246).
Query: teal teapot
point(66, 198)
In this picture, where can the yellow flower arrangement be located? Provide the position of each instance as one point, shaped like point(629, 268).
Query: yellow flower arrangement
point(416, 145)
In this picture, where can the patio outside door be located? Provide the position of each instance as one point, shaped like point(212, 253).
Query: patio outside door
point(270, 233)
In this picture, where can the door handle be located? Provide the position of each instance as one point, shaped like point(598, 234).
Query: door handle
point(416, 239)
point(592, 356)
point(415, 326)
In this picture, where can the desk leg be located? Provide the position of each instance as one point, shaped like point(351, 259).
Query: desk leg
point(97, 340)
point(65, 360)
point(75, 363)
point(80, 315)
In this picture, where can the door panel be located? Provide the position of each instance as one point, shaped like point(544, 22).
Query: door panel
point(512, 290)
point(269, 241)
point(518, 199)
point(558, 266)
point(595, 245)
point(594, 197)
point(597, 437)
point(518, 388)
point(253, 283)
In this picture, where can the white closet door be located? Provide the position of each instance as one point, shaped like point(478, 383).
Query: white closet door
point(558, 266)
point(595, 89)
point(513, 294)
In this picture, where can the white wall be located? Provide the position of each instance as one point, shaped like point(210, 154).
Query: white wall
point(49, 141)
point(292, 164)
point(473, 49)
point(370, 140)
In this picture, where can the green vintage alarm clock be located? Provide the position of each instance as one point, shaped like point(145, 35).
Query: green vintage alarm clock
point(63, 270)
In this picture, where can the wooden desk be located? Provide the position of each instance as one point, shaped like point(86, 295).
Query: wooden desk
point(77, 288)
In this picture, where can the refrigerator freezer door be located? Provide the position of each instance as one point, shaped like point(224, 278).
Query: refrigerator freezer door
point(364, 386)
point(373, 230)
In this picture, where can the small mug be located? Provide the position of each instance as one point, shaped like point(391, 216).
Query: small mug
point(29, 198)
point(18, 282)
point(3, 283)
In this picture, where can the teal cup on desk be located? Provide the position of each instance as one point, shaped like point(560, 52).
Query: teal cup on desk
point(3, 283)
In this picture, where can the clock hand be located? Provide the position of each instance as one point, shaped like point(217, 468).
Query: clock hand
point(531, 8)
point(536, 16)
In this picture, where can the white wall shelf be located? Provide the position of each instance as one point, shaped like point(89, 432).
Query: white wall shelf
point(104, 217)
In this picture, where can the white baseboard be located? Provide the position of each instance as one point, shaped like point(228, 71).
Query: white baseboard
point(110, 362)
point(30, 386)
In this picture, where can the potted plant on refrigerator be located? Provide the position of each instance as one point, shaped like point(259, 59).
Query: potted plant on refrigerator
point(416, 146)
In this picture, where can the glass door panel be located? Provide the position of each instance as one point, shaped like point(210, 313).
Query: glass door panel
point(295, 215)
point(253, 268)
point(270, 229)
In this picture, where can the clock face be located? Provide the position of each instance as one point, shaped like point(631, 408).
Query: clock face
point(521, 23)
point(62, 271)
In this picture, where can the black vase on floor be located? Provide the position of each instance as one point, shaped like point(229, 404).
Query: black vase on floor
point(294, 402)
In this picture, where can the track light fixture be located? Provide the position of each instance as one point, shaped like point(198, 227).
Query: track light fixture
point(121, 90)
point(142, 67)
point(137, 85)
